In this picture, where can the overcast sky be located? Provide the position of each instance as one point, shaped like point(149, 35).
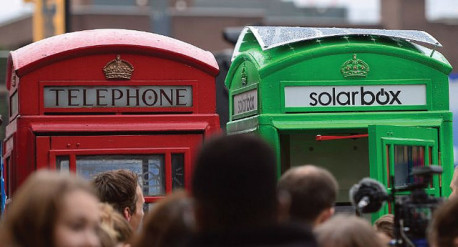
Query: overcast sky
point(360, 11)
point(12, 8)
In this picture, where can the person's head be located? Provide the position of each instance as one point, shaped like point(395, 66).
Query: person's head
point(313, 192)
point(52, 209)
point(385, 225)
point(385, 228)
point(120, 188)
point(234, 183)
point(443, 229)
point(347, 231)
point(454, 184)
point(115, 225)
point(169, 224)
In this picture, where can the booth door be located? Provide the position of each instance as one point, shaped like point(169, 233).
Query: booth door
point(162, 162)
point(395, 150)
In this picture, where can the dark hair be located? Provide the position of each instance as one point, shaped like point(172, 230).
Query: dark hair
point(444, 227)
point(169, 224)
point(312, 190)
point(235, 182)
point(36, 206)
point(385, 224)
point(118, 188)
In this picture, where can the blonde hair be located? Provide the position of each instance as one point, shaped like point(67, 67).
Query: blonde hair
point(36, 206)
point(385, 225)
point(114, 224)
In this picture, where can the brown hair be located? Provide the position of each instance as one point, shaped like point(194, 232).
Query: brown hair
point(347, 231)
point(118, 188)
point(385, 224)
point(312, 190)
point(443, 229)
point(35, 208)
point(169, 224)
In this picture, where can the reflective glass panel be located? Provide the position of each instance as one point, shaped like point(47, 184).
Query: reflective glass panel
point(149, 168)
point(177, 171)
point(14, 105)
point(406, 158)
point(63, 164)
point(154, 176)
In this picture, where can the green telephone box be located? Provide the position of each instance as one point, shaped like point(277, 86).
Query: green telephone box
point(359, 102)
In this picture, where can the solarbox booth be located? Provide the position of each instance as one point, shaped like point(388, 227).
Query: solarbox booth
point(359, 102)
point(98, 100)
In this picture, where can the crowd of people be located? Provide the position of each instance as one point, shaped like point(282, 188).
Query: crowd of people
point(234, 200)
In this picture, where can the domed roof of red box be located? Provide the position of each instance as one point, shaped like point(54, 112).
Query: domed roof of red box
point(98, 40)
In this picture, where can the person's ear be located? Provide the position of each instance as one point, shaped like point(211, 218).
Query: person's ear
point(324, 216)
point(127, 214)
point(284, 204)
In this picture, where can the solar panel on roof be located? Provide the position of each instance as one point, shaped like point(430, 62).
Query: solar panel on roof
point(269, 37)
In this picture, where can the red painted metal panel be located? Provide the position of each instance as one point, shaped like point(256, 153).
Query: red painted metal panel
point(168, 172)
point(87, 70)
point(84, 123)
point(328, 138)
point(178, 128)
point(86, 42)
point(43, 145)
point(79, 58)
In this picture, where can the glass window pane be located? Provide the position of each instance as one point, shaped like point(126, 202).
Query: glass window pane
point(406, 158)
point(14, 104)
point(63, 164)
point(154, 177)
point(177, 171)
point(149, 168)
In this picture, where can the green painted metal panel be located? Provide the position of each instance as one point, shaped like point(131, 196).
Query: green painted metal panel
point(342, 85)
point(394, 150)
point(323, 62)
point(245, 88)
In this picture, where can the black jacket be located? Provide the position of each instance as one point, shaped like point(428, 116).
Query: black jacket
point(282, 235)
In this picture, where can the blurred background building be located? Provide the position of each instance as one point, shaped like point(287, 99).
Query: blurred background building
point(203, 23)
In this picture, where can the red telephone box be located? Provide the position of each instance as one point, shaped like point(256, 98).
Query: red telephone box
point(99, 100)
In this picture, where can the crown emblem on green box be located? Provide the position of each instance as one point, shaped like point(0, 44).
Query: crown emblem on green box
point(118, 69)
point(244, 77)
point(354, 68)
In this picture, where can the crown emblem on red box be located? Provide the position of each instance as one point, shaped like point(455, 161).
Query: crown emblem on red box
point(355, 68)
point(118, 69)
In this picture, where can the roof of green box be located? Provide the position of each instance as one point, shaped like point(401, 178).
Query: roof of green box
point(270, 37)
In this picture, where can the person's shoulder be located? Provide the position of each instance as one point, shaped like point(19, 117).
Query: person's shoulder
point(290, 235)
point(279, 235)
